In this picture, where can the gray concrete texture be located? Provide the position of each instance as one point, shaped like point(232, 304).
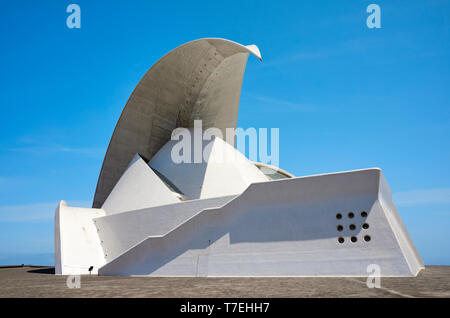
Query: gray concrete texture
point(199, 80)
point(433, 281)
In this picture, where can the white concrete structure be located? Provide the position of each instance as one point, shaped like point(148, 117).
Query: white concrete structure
point(152, 216)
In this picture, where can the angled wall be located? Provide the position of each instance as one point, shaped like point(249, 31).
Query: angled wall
point(224, 170)
point(405, 242)
point(138, 188)
point(77, 245)
point(121, 232)
point(288, 227)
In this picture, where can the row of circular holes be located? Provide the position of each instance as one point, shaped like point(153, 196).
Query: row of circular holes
point(351, 215)
point(354, 239)
point(352, 227)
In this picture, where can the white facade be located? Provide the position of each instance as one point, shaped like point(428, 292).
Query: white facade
point(138, 188)
point(77, 243)
point(217, 177)
point(154, 217)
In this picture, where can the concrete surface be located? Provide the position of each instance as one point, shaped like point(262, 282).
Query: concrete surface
point(121, 231)
point(138, 188)
point(77, 245)
point(199, 80)
point(284, 228)
point(222, 171)
point(433, 281)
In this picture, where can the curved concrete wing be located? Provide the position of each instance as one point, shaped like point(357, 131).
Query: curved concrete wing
point(201, 79)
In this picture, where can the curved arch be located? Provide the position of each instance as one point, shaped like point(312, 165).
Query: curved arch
point(278, 170)
point(201, 79)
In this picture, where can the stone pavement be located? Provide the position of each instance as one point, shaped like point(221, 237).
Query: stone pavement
point(434, 281)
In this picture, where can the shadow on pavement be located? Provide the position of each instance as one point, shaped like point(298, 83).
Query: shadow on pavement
point(50, 270)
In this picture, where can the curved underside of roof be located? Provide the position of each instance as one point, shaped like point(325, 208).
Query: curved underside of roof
point(201, 79)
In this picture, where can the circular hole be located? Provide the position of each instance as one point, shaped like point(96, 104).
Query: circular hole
point(340, 228)
point(341, 240)
point(364, 214)
point(365, 226)
point(351, 215)
point(352, 227)
point(367, 238)
point(338, 216)
point(353, 239)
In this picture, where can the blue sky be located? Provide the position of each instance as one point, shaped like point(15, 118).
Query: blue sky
point(344, 97)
